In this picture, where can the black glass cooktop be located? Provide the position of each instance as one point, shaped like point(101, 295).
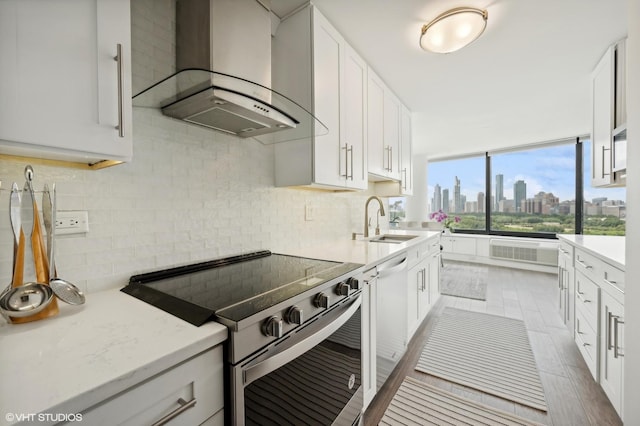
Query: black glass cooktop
point(233, 288)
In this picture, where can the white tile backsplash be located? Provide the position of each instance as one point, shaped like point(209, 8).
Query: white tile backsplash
point(190, 194)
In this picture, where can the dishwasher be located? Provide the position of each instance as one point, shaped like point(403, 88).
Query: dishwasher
point(391, 321)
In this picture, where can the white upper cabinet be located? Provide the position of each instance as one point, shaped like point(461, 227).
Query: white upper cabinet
point(64, 96)
point(389, 138)
point(391, 134)
point(406, 163)
point(609, 118)
point(376, 153)
point(331, 83)
point(355, 119)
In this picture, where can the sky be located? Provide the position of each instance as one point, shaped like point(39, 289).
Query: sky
point(549, 169)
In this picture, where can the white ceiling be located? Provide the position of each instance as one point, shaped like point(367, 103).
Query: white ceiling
point(525, 80)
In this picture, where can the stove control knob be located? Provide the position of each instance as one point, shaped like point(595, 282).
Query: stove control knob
point(272, 327)
point(321, 301)
point(354, 283)
point(294, 315)
point(342, 289)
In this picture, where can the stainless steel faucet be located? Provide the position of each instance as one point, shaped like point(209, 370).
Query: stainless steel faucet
point(366, 214)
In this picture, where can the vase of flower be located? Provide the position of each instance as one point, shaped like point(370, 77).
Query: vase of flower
point(445, 220)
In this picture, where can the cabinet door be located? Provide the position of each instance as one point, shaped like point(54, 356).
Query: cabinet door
point(434, 278)
point(328, 65)
point(406, 171)
point(63, 94)
point(603, 116)
point(376, 156)
point(354, 96)
point(415, 283)
point(612, 349)
point(391, 135)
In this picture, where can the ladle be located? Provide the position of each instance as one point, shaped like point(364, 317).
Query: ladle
point(31, 297)
point(63, 289)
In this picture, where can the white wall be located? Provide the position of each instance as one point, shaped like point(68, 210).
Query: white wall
point(189, 194)
point(632, 284)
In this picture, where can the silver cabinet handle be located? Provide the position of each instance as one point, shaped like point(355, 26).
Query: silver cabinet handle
point(346, 159)
point(580, 296)
point(420, 280)
point(616, 349)
point(603, 150)
point(184, 406)
point(609, 322)
point(404, 181)
point(350, 150)
point(118, 59)
point(388, 149)
point(584, 264)
point(391, 159)
point(424, 279)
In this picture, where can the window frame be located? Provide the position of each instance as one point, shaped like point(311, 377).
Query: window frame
point(579, 193)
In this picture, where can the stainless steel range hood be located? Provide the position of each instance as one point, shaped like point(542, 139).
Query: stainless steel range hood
point(223, 54)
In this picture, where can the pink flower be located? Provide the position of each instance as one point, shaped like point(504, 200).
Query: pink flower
point(441, 217)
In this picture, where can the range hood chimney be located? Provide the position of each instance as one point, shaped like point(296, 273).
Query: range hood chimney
point(223, 58)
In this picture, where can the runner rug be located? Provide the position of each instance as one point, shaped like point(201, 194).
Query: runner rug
point(486, 352)
point(418, 403)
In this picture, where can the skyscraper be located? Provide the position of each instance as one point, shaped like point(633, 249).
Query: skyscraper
point(437, 198)
point(445, 200)
point(499, 191)
point(458, 205)
point(519, 195)
point(480, 202)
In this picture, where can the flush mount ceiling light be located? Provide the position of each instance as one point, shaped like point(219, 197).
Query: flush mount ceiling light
point(453, 29)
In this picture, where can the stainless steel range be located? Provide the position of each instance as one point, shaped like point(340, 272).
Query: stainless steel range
point(294, 352)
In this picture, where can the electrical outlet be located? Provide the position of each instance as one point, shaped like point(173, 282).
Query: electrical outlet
point(72, 222)
point(308, 212)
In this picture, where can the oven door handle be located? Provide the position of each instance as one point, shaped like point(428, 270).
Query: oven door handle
point(322, 329)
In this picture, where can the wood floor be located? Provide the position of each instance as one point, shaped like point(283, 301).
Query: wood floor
point(573, 397)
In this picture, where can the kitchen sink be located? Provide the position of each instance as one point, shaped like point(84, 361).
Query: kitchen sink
point(392, 238)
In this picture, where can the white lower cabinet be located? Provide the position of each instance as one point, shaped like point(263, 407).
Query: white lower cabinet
point(192, 393)
point(566, 286)
point(599, 316)
point(423, 283)
point(459, 245)
point(418, 295)
point(612, 350)
point(383, 301)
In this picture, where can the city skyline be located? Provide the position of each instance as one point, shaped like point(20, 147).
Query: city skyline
point(543, 170)
point(523, 202)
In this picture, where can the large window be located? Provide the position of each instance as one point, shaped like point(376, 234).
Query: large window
point(458, 188)
point(532, 192)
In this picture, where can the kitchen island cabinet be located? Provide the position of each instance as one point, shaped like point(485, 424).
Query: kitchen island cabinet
point(66, 80)
point(111, 353)
point(599, 269)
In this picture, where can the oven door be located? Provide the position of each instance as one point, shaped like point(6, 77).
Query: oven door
point(312, 376)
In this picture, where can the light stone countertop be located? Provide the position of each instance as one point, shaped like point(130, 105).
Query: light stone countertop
point(361, 250)
point(91, 352)
point(610, 249)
